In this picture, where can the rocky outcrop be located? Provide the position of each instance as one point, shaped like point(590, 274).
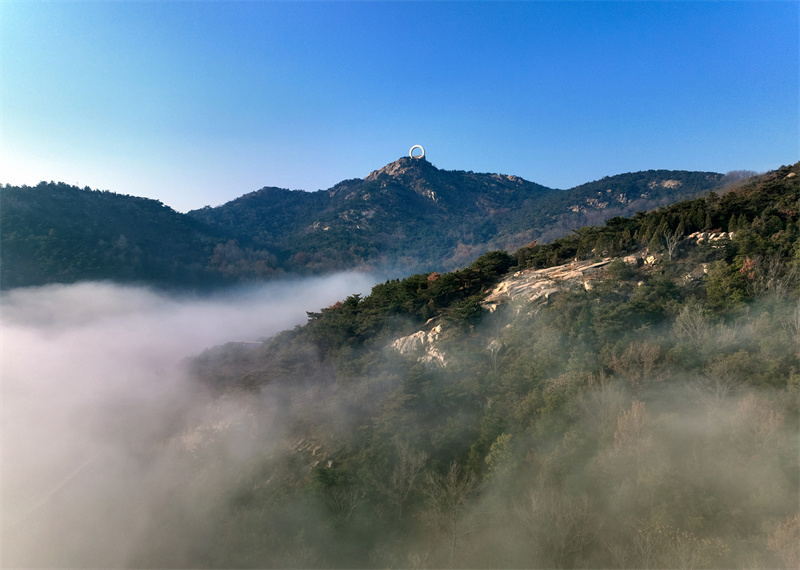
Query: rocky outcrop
point(709, 237)
point(421, 345)
point(534, 284)
point(411, 172)
point(665, 183)
point(396, 168)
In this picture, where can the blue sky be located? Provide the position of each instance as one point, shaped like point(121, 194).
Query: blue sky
point(197, 103)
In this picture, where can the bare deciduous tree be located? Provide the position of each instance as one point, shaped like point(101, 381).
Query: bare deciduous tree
point(791, 322)
point(756, 423)
point(646, 547)
point(448, 496)
point(342, 501)
point(672, 239)
point(563, 526)
point(719, 379)
point(770, 275)
point(784, 541)
point(692, 326)
point(601, 404)
point(636, 361)
point(633, 435)
point(405, 476)
point(661, 546)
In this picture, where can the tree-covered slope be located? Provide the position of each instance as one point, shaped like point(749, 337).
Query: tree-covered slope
point(414, 216)
point(409, 216)
point(61, 233)
point(624, 397)
point(57, 233)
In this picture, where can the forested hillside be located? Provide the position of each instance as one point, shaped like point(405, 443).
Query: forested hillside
point(406, 217)
point(56, 233)
point(413, 216)
point(626, 396)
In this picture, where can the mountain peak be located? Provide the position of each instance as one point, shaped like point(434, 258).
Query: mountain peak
point(401, 166)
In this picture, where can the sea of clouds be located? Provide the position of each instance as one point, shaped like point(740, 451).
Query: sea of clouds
point(93, 379)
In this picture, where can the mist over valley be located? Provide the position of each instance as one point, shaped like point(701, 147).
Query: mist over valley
point(95, 385)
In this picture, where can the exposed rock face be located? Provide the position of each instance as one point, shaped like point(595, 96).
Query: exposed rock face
point(412, 172)
point(701, 237)
point(396, 168)
point(534, 284)
point(666, 183)
point(421, 345)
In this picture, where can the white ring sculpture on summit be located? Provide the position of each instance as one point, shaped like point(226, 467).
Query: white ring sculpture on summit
point(411, 152)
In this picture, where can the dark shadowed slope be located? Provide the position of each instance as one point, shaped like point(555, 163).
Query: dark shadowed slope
point(56, 233)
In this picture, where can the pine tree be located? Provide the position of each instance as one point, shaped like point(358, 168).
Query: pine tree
point(742, 222)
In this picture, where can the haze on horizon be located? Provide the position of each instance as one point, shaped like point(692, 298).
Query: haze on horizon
point(198, 103)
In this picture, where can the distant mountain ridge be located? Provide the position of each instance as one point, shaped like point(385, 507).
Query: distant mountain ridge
point(405, 217)
point(413, 215)
point(57, 233)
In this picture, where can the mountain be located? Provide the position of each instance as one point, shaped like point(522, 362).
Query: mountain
point(413, 216)
point(406, 217)
point(56, 233)
point(622, 397)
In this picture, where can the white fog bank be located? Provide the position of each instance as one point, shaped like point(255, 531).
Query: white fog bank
point(92, 379)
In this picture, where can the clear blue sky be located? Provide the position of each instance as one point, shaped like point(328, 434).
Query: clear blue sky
point(197, 103)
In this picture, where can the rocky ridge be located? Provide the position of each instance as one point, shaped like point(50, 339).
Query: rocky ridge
point(527, 286)
point(533, 284)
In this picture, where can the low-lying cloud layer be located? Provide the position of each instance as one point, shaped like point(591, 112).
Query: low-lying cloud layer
point(113, 456)
point(92, 382)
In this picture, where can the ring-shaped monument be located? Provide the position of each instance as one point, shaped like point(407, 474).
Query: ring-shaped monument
point(411, 152)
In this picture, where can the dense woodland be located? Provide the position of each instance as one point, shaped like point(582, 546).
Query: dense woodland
point(57, 233)
point(407, 217)
point(649, 422)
